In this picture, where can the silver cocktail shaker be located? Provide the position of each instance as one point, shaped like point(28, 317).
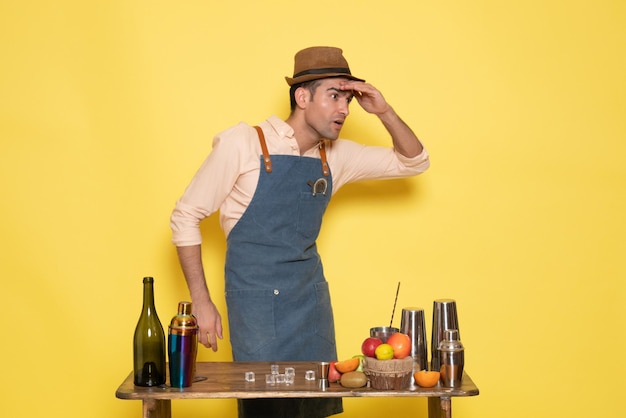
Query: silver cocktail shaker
point(413, 325)
point(444, 317)
point(451, 359)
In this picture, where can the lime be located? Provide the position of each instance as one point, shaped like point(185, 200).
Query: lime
point(361, 357)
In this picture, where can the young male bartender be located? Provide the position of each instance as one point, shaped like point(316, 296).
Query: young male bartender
point(271, 185)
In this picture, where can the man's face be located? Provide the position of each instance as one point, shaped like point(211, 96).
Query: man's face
point(326, 110)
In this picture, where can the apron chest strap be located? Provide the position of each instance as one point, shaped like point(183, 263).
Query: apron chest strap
point(266, 154)
point(268, 161)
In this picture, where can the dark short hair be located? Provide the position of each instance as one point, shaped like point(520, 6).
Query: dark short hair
point(310, 85)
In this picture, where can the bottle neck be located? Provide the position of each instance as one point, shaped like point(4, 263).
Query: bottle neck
point(148, 297)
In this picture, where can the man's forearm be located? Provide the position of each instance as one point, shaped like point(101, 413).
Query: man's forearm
point(404, 140)
point(209, 319)
point(190, 258)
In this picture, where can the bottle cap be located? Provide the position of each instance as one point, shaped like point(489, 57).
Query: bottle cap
point(451, 334)
point(184, 323)
point(184, 308)
point(450, 341)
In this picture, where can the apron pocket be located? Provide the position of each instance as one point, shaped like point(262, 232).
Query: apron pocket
point(251, 321)
point(310, 211)
point(324, 324)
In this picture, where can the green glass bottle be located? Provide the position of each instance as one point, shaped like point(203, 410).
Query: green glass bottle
point(149, 342)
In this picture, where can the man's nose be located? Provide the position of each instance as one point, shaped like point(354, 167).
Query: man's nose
point(345, 108)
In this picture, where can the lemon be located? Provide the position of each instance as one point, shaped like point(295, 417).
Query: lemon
point(384, 352)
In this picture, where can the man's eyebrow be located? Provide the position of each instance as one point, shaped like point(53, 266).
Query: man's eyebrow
point(342, 92)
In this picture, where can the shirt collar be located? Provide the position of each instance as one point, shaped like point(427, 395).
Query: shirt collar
point(282, 128)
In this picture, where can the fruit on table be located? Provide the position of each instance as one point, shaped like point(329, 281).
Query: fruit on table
point(353, 379)
point(401, 344)
point(361, 358)
point(368, 348)
point(384, 352)
point(426, 379)
point(349, 365)
point(333, 374)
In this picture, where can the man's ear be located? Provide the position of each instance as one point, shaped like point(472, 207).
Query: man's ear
point(302, 96)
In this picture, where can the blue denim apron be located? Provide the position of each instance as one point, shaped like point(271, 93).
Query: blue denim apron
point(277, 297)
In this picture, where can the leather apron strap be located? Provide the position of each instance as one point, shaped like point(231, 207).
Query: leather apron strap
point(266, 154)
point(325, 169)
point(268, 162)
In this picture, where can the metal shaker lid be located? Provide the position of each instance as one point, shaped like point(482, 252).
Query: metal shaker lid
point(184, 322)
point(450, 341)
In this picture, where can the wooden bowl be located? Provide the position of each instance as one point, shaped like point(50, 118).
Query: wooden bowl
point(389, 374)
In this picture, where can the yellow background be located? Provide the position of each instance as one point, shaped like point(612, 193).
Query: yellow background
point(107, 108)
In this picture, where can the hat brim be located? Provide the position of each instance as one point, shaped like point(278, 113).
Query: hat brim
point(311, 77)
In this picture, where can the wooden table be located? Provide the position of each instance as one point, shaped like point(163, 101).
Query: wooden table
point(220, 380)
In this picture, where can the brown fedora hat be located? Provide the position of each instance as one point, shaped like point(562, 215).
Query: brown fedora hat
point(319, 62)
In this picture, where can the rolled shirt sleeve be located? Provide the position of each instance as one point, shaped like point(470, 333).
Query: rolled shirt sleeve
point(351, 162)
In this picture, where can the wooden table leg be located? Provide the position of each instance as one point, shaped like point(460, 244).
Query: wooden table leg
point(157, 408)
point(440, 407)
